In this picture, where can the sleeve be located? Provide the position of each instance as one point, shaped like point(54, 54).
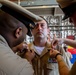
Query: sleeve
point(65, 57)
point(27, 71)
point(13, 64)
point(23, 67)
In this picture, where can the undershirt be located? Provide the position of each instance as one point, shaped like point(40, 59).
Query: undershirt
point(39, 49)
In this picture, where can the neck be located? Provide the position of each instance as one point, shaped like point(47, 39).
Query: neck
point(40, 42)
point(7, 37)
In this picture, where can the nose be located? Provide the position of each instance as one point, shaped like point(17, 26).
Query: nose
point(39, 26)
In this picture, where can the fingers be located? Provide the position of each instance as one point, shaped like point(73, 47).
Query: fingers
point(31, 51)
point(25, 45)
point(54, 36)
point(54, 41)
point(53, 52)
point(30, 54)
point(53, 44)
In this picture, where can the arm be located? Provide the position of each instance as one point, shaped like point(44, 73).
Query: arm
point(70, 42)
point(24, 52)
point(63, 69)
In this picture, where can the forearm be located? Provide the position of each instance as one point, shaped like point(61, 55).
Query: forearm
point(70, 42)
point(63, 69)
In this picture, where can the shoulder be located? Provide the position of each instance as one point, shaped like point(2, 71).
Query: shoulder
point(48, 44)
point(31, 45)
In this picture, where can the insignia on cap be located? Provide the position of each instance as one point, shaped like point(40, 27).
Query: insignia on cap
point(31, 26)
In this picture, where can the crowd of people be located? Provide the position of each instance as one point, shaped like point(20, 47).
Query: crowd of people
point(40, 57)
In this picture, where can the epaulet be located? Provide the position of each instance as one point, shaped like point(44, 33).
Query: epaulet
point(30, 45)
point(48, 44)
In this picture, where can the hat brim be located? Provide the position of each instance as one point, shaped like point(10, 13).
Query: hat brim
point(21, 10)
point(69, 10)
point(26, 21)
point(65, 17)
point(20, 13)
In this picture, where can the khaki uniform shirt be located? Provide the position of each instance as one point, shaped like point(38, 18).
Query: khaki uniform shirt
point(43, 64)
point(12, 64)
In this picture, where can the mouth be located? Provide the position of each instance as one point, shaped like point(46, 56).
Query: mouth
point(39, 33)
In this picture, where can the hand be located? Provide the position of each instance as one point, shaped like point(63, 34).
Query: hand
point(29, 55)
point(20, 47)
point(53, 53)
point(56, 41)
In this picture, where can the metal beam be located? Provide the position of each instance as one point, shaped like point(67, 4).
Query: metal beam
point(38, 3)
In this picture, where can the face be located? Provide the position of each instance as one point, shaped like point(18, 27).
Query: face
point(40, 30)
point(72, 19)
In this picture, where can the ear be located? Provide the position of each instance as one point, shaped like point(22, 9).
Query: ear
point(18, 32)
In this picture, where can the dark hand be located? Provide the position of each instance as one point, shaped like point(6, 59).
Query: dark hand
point(53, 53)
point(29, 55)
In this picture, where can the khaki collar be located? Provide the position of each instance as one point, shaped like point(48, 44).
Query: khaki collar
point(46, 49)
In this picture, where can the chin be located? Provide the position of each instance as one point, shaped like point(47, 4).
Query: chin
point(40, 36)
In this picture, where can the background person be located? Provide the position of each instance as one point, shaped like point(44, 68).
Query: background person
point(69, 42)
point(67, 52)
point(69, 9)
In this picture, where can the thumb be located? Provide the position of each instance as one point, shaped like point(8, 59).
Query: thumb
point(54, 36)
point(51, 51)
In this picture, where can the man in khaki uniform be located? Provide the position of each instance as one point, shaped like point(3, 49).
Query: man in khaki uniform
point(42, 63)
point(15, 23)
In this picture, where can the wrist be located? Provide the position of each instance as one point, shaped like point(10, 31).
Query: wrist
point(57, 55)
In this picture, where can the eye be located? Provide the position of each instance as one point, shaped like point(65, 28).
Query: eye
point(43, 25)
